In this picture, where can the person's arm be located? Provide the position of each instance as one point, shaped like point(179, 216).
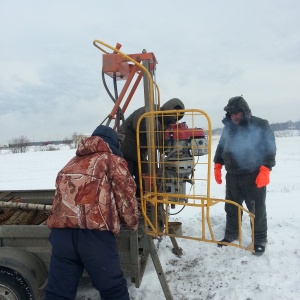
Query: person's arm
point(268, 153)
point(269, 147)
point(218, 160)
point(218, 154)
point(124, 190)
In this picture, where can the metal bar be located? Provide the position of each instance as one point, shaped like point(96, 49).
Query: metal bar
point(176, 250)
point(121, 96)
point(135, 85)
point(159, 270)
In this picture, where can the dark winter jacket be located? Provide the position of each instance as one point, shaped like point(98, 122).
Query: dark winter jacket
point(95, 190)
point(245, 147)
point(128, 128)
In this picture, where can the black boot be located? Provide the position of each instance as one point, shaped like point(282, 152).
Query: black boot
point(225, 241)
point(259, 250)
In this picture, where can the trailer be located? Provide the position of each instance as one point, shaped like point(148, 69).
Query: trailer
point(25, 249)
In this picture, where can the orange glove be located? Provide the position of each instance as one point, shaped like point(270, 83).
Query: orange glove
point(218, 174)
point(263, 177)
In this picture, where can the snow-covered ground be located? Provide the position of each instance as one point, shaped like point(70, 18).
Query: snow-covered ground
point(204, 271)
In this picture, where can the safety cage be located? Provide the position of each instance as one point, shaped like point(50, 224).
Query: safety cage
point(178, 172)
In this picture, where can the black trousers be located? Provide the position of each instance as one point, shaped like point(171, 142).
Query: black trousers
point(74, 250)
point(240, 188)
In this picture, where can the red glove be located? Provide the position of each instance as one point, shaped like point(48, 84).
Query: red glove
point(218, 174)
point(263, 177)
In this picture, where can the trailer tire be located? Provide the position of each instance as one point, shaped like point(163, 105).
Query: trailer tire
point(13, 286)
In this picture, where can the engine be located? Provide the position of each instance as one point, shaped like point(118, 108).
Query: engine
point(181, 146)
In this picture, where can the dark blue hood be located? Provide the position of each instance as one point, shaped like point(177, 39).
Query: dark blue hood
point(110, 137)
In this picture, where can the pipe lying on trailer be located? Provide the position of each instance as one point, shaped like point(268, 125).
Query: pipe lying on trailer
point(35, 206)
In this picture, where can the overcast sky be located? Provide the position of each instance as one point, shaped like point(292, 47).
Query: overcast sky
point(207, 52)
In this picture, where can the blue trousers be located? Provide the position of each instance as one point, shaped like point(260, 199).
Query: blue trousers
point(74, 250)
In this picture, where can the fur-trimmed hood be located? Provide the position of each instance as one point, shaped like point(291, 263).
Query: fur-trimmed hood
point(173, 104)
point(238, 104)
point(234, 105)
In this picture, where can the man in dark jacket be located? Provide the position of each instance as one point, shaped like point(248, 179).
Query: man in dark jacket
point(128, 129)
point(247, 149)
point(95, 195)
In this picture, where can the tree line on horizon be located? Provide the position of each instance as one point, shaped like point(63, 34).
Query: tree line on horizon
point(22, 143)
point(289, 125)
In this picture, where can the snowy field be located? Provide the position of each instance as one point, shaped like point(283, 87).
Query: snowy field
point(204, 271)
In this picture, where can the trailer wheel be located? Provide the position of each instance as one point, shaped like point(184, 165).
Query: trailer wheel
point(13, 286)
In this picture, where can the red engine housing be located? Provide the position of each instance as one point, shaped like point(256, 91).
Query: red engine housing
point(181, 132)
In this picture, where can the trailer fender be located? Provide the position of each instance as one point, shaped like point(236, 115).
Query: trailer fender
point(28, 265)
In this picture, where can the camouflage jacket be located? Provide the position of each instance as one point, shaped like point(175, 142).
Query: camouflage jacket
point(94, 191)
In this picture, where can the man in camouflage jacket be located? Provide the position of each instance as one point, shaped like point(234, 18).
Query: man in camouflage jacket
point(95, 195)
